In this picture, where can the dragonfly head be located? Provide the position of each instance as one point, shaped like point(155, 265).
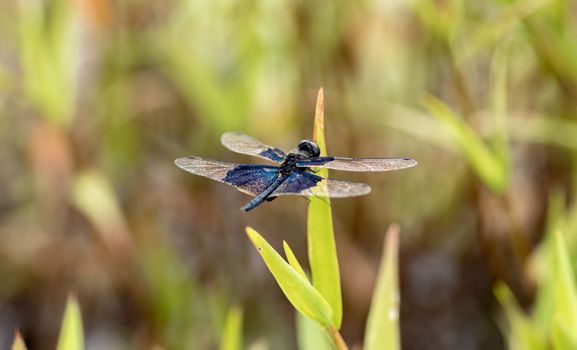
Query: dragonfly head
point(308, 149)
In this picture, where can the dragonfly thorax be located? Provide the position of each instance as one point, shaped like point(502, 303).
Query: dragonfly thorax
point(305, 150)
point(289, 164)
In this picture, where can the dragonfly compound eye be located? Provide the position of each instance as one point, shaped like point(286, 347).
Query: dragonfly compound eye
point(309, 148)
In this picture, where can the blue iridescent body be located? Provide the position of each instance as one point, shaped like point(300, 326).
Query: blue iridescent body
point(265, 180)
point(292, 176)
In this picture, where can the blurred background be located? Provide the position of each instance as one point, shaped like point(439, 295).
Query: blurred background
point(98, 97)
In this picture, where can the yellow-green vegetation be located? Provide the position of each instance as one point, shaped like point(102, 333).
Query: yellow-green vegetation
point(383, 322)
point(310, 300)
point(232, 333)
point(18, 343)
point(97, 97)
point(71, 333)
point(320, 236)
point(302, 295)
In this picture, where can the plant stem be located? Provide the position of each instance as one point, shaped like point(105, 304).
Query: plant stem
point(337, 339)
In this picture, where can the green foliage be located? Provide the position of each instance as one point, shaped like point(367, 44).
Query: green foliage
point(489, 160)
point(311, 336)
point(523, 333)
point(498, 108)
point(382, 327)
point(320, 234)
point(47, 55)
point(544, 130)
point(18, 343)
point(382, 331)
point(555, 313)
point(487, 34)
point(71, 331)
point(130, 85)
point(227, 101)
point(443, 21)
point(565, 293)
point(562, 337)
point(95, 198)
point(323, 297)
point(292, 260)
point(488, 166)
point(231, 338)
point(302, 295)
point(178, 302)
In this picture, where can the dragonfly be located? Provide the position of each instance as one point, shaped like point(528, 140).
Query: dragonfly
point(294, 173)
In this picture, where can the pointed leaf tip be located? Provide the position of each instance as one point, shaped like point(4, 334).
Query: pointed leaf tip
point(18, 343)
point(293, 261)
point(320, 233)
point(383, 322)
point(319, 122)
point(71, 331)
point(301, 294)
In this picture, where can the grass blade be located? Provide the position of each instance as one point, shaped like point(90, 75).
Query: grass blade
point(302, 295)
point(71, 333)
point(565, 294)
point(486, 35)
point(523, 333)
point(232, 334)
point(561, 336)
point(321, 240)
point(310, 336)
point(499, 68)
point(383, 323)
point(260, 344)
point(292, 260)
point(481, 158)
point(95, 197)
point(18, 343)
point(47, 46)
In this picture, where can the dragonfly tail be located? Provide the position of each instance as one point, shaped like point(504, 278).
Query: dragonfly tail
point(264, 195)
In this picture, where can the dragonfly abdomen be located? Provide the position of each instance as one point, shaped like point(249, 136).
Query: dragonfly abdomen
point(258, 200)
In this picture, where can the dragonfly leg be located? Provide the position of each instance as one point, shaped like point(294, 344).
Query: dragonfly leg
point(310, 170)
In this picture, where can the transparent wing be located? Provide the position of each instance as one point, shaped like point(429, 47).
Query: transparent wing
point(242, 143)
point(301, 183)
point(359, 164)
point(250, 179)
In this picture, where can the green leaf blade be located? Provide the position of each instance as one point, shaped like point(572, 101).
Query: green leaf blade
point(523, 333)
point(490, 168)
point(71, 332)
point(561, 336)
point(310, 336)
point(301, 294)
point(320, 233)
point(47, 45)
point(565, 292)
point(232, 333)
point(498, 96)
point(95, 197)
point(18, 343)
point(292, 260)
point(383, 323)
